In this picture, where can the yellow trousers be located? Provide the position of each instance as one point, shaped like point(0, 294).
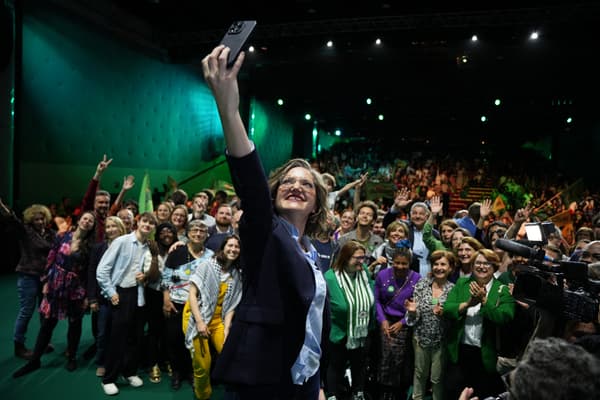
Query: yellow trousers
point(201, 354)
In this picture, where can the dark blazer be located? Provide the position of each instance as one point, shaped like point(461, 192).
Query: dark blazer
point(268, 329)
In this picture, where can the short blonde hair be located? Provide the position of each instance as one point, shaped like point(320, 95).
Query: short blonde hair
point(31, 211)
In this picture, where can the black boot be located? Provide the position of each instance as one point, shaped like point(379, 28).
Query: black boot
point(71, 365)
point(22, 352)
point(27, 368)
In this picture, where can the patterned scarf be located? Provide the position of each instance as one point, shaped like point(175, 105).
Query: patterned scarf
point(359, 298)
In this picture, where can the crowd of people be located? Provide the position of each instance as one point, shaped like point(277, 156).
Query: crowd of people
point(289, 290)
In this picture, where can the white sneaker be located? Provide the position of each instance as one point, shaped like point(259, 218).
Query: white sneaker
point(110, 389)
point(135, 381)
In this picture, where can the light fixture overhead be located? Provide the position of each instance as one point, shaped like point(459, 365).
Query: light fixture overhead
point(378, 41)
point(329, 43)
point(474, 38)
point(534, 35)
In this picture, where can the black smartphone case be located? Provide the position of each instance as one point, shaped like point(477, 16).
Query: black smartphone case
point(236, 38)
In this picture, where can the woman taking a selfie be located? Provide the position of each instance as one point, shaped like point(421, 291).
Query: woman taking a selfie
point(274, 347)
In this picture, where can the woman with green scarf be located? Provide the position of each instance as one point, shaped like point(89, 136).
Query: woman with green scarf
point(351, 298)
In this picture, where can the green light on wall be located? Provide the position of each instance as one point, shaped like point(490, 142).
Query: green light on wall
point(315, 136)
point(252, 123)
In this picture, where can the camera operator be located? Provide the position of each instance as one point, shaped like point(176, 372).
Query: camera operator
point(551, 369)
point(516, 334)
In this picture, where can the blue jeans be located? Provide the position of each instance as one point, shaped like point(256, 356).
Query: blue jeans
point(104, 323)
point(29, 289)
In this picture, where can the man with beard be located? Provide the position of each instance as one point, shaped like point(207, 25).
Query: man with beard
point(222, 227)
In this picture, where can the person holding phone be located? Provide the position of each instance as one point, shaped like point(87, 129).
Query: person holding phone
point(274, 348)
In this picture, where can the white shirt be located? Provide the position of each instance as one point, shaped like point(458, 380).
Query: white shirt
point(474, 322)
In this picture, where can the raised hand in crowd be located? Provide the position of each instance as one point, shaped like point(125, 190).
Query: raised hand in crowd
point(102, 165)
point(484, 211)
point(436, 205)
point(402, 198)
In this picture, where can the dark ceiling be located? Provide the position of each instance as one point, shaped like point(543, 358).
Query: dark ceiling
point(416, 77)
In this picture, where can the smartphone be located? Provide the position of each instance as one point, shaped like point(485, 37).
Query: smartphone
point(236, 38)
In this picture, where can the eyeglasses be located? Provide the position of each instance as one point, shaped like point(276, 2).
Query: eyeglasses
point(482, 264)
point(587, 254)
point(288, 182)
point(198, 230)
point(360, 258)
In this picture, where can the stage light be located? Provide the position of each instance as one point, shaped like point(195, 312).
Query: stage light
point(329, 43)
point(569, 120)
point(378, 42)
point(380, 117)
point(369, 101)
point(338, 132)
point(474, 38)
point(279, 102)
point(483, 118)
point(307, 116)
point(534, 35)
point(497, 102)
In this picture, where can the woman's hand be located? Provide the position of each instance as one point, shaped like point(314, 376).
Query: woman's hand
point(478, 294)
point(410, 306)
point(168, 308)
point(395, 328)
point(385, 328)
point(221, 80)
point(114, 300)
point(203, 330)
point(175, 245)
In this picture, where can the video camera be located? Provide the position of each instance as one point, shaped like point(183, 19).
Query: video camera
point(558, 286)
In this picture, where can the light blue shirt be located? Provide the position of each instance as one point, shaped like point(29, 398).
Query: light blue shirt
point(308, 360)
point(420, 250)
point(116, 262)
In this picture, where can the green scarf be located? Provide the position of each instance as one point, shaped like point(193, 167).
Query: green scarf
point(359, 298)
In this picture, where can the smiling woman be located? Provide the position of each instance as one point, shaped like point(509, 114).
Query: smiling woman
point(477, 306)
point(274, 347)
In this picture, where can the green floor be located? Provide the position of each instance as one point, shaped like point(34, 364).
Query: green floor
point(53, 381)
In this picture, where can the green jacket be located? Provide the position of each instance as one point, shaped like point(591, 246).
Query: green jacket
point(498, 309)
point(430, 241)
point(339, 307)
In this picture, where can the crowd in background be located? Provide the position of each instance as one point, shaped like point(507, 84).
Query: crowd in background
point(421, 301)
